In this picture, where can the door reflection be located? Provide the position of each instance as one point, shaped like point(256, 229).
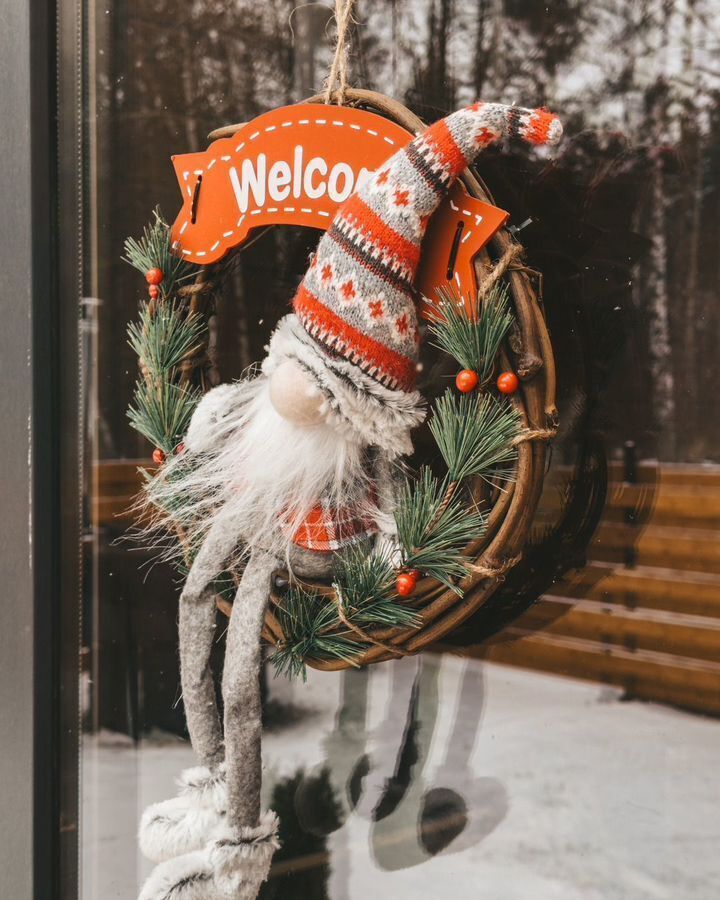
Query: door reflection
point(409, 779)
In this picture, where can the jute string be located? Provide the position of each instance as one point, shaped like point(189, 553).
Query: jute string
point(337, 79)
point(498, 571)
point(513, 252)
point(360, 632)
point(534, 434)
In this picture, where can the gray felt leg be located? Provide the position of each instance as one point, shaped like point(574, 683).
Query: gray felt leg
point(241, 691)
point(197, 633)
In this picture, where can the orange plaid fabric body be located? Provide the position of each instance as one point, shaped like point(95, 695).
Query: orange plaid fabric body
point(329, 528)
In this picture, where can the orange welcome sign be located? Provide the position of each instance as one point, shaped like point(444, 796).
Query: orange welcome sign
point(294, 166)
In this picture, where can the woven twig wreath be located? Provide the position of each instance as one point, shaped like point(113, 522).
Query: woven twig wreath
point(439, 609)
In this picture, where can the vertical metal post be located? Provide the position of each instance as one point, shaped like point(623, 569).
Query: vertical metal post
point(27, 838)
point(69, 86)
point(39, 409)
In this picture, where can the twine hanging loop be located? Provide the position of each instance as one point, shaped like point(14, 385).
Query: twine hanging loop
point(337, 79)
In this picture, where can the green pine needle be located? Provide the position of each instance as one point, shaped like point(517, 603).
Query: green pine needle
point(306, 620)
point(433, 535)
point(163, 337)
point(224, 585)
point(366, 585)
point(162, 412)
point(153, 251)
point(172, 504)
point(475, 435)
point(472, 332)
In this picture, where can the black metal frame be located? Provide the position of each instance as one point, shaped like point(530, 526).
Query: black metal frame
point(40, 183)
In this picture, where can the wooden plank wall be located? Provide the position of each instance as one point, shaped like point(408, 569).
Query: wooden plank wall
point(644, 614)
point(115, 485)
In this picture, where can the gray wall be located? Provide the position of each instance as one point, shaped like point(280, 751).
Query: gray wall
point(40, 231)
point(16, 389)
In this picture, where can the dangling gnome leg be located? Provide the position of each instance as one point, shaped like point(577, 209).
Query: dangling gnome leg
point(185, 823)
point(336, 390)
point(239, 847)
point(173, 827)
point(241, 858)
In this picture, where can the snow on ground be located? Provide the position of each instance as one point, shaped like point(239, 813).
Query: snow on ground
point(543, 788)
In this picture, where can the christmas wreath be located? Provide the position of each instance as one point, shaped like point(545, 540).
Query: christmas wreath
point(457, 534)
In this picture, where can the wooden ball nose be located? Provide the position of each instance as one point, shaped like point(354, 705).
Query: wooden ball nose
point(294, 394)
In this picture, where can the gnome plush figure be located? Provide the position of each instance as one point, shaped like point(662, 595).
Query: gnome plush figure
point(289, 465)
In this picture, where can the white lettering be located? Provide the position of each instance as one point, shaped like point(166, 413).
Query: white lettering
point(316, 164)
point(297, 174)
point(255, 180)
point(254, 183)
point(340, 170)
point(279, 180)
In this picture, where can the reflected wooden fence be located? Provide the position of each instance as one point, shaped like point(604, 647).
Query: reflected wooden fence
point(644, 614)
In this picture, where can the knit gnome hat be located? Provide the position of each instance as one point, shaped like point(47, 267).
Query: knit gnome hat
point(357, 302)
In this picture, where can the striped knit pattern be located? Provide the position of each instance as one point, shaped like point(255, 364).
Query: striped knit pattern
point(357, 300)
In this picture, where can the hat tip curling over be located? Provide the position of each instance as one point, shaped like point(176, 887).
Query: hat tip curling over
point(541, 127)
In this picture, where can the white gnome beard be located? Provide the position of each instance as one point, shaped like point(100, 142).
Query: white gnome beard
point(254, 471)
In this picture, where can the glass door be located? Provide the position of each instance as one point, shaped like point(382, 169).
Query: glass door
point(562, 742)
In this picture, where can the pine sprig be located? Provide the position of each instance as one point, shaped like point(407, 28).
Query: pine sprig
point(162, 412)
point(432, 532)
point(171, 503)
point(475, 435)
point(307, 621)
point(471, 331)
point(163, 337)
point(366, 587)
point(153, 250)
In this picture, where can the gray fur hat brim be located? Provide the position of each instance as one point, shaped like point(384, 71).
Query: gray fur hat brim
point(353, 400)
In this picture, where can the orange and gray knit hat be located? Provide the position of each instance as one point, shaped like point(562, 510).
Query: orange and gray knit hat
point(357, 302)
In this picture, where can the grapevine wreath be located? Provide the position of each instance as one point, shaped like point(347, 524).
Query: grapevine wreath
point(398, 561)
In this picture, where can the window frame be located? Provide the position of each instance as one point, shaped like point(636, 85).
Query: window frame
point(40, 67)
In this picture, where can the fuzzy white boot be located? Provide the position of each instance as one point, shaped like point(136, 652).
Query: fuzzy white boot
point(232, 866)
point(186, 822)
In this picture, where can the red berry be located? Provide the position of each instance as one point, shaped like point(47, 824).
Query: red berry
point(158, 456)
point(154, 276)
point(508, 383)
point(180, 449)
point(405, 584)
point(154, 291)
point(416, 574)
point(466, 381)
